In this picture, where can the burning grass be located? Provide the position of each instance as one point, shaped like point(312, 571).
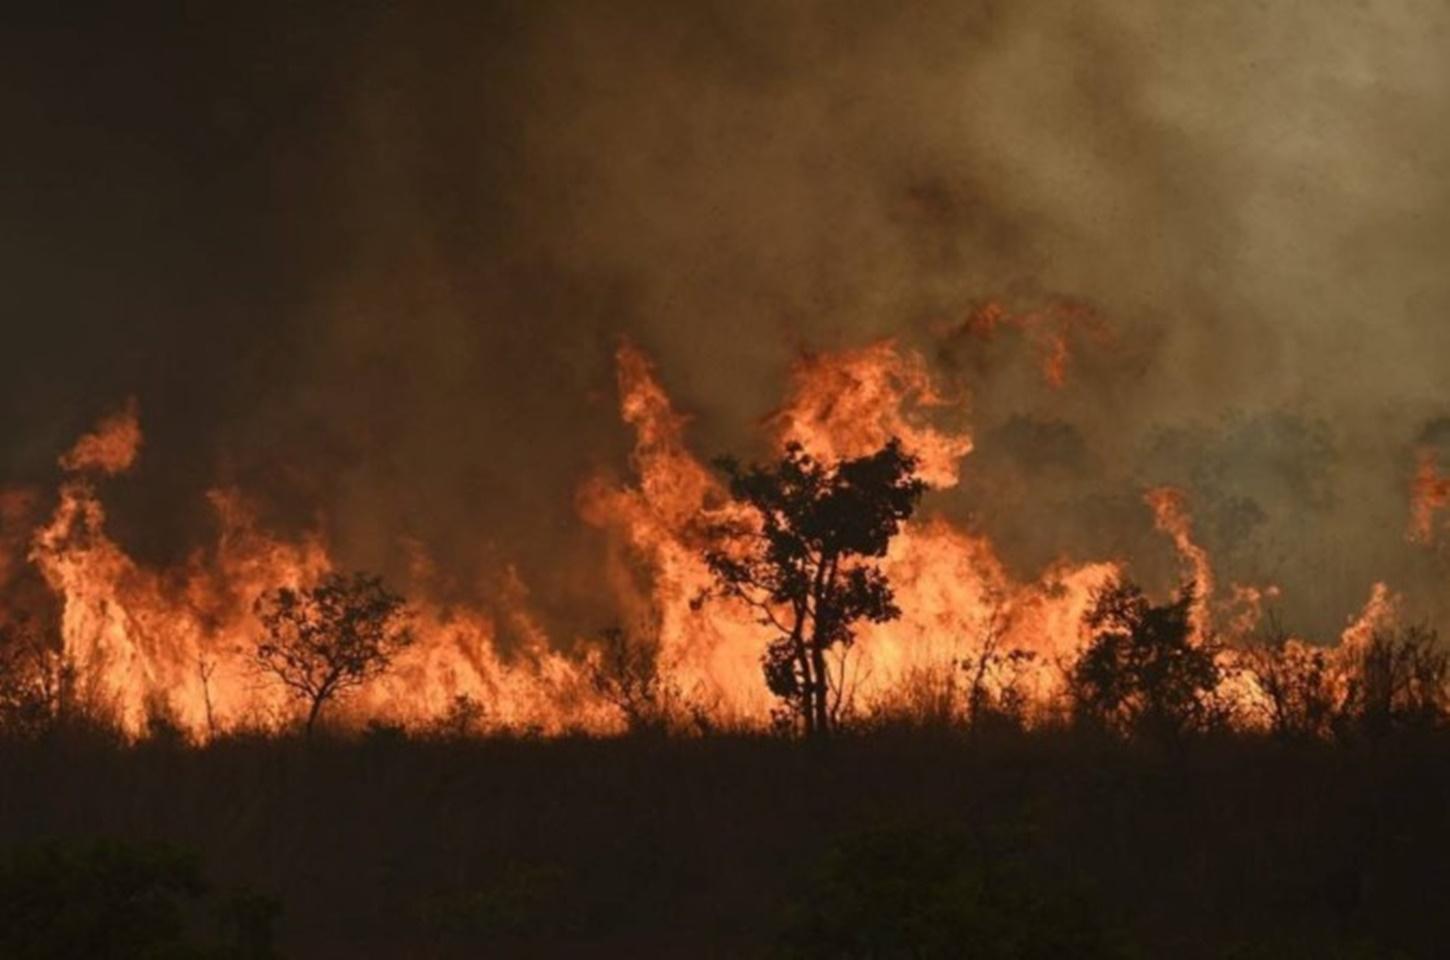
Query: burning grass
point(140, 641)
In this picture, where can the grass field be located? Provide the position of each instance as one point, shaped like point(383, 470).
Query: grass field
point(891, 843)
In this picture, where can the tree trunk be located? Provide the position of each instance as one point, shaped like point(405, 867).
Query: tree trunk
point(312, 715)
point(820, 673)
point(820, 690)
point(803, 665)
point(813, 660)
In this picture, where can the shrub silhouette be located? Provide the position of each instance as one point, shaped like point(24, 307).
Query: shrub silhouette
point(805, 563)
point(1397, 681)
point(995, 672)
point(1142, 671)
point(462, 719)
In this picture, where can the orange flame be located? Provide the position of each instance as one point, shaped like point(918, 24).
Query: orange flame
point(1429, 493)
point(950, 584)
point(111, 448)
point(1049, 327)
point(1170, 515)
point(1380, 612)
point(177, 640)
point(849, 404)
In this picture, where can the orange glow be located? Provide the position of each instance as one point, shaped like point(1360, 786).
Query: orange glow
point(111, 448)
point(949, 584)
point(175, 642)
point(1050, 328)
point(849, 404)
point(1170, 515)
point(1380, 612)
point(1429, 493)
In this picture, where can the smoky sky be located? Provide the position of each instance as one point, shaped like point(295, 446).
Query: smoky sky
point(370, 262)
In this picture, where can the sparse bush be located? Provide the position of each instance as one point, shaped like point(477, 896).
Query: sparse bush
point(37, 683)
point(1299, 683)
point(1396, 682)
point(997, 697)
point(463, 718)
point(624, 670)
point(162, 726)
point(931, 695)
point(384, 734)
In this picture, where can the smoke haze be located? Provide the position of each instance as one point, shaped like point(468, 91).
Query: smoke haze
point(371, 263)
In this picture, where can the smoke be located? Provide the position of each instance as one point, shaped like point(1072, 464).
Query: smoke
point(371, 264)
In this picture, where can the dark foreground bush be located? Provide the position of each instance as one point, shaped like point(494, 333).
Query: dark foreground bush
point(104, 900)
point(922, 894)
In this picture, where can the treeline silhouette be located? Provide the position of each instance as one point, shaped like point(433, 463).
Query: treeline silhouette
point(1141, 817)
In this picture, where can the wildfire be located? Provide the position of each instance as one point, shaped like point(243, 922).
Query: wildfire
point(175, 642)
point(950, 584)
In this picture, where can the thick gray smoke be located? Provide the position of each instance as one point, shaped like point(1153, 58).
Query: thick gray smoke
point(373, 262)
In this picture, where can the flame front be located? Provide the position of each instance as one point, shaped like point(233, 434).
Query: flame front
point(177, 640)
point(950, 585)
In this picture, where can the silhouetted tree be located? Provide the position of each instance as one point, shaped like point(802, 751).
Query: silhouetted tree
point(325, 640)
point(805, 562)
point(1142, 671)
